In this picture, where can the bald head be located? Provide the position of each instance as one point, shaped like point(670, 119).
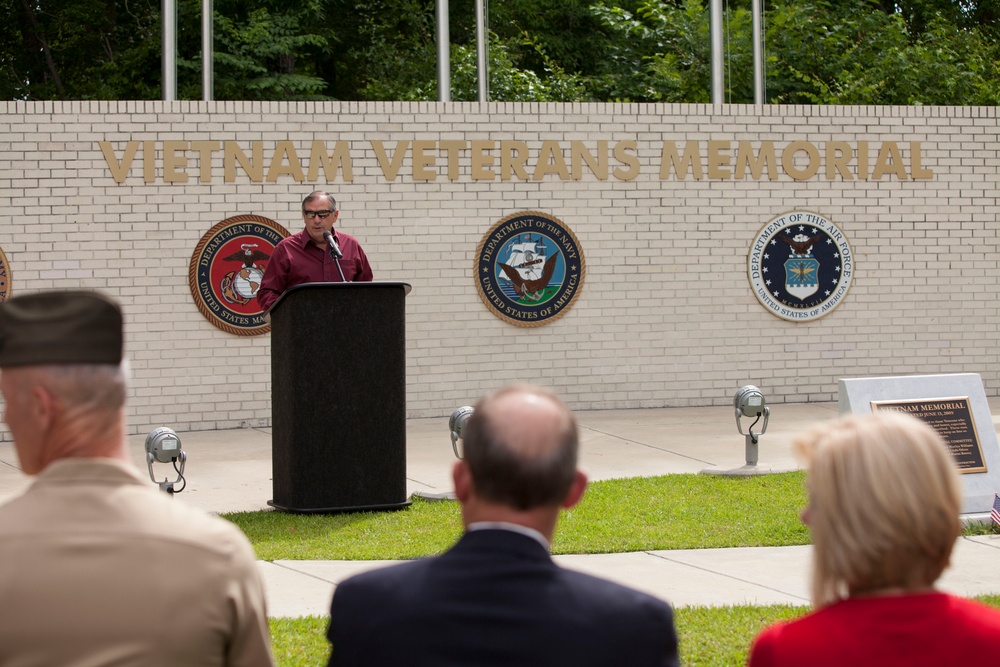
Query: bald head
point(521, 448)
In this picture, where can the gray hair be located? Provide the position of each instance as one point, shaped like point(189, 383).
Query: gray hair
point(316, 194)
point(86, 387)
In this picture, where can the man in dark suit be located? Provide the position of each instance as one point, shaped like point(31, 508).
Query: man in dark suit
point(496, 597)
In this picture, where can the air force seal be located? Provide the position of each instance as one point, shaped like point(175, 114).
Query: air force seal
point(529, 269)
point(800, 266)
point(226, 269)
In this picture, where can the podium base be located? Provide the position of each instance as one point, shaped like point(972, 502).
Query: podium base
point(424, 495)
point(340, 510)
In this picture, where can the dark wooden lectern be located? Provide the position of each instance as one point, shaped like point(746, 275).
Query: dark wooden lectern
point(338, 397)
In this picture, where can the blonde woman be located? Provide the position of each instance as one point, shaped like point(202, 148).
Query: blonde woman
point(884, 503)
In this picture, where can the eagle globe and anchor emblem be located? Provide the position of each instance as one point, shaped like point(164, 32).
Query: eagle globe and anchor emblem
point(226, 271)
point(240, 286)
point(800, 266)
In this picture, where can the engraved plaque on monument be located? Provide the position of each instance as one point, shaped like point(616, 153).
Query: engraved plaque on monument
point(952, 419)
point(965, 423)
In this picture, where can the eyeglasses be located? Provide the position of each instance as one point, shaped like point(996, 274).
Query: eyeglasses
point(323, 215)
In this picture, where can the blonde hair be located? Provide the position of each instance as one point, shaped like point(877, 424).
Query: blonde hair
point(884, 506)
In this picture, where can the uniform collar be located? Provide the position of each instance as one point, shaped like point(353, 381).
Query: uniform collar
point(89, 470)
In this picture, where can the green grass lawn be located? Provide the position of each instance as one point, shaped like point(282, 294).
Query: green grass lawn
point(620, 515)
point(709, 636)
point(636, 514)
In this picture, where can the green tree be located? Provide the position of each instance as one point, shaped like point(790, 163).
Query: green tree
point(820, 56)
point(79, 49)
point(943, 65)
point(508, 81)
point(263, 56)
point(662, 54)
point(540, 33)
point(851, 52)
point(817, 51)
point(382, 49)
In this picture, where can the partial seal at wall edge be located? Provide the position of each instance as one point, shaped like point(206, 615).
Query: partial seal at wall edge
point(529, 269)
point(5, 278)
point(226, 269)
point(800, 266)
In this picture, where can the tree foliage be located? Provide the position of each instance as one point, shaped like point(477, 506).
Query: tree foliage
point(79, 49)
point(816, 51)
point(261, 56)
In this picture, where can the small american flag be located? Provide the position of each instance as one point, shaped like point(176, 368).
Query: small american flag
point(995, 512)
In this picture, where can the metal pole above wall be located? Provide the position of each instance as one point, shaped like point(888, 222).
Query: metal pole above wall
point(715, 30)
point(758, 52)
point(169, 60)
point(207, 48)
point(444, 52)
point(482, 68)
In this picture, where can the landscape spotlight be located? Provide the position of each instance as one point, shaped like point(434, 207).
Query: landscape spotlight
point(456, 424)
point(164, 446)
point(749, 402)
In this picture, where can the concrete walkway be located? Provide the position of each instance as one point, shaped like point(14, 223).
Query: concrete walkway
point(231, 471)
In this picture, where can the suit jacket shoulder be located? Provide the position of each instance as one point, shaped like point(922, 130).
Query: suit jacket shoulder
point(496, 598)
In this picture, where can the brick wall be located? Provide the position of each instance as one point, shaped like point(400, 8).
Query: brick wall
point(666, 316)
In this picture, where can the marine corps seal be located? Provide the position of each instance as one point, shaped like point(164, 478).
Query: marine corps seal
point(226, 269)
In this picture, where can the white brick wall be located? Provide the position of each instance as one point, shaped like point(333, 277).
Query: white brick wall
point(666, 316)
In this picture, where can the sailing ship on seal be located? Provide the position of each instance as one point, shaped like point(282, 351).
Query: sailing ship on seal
point(527, 271)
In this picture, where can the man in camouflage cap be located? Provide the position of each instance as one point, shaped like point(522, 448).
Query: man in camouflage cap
point(97, 566)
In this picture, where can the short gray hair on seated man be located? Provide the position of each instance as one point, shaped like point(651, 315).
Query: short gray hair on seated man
point(84, 387)
point(503, 470)
point(885, 499)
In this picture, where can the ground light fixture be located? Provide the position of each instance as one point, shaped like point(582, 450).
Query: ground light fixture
point(456, 424)
point(163, 445)
point(749, 402)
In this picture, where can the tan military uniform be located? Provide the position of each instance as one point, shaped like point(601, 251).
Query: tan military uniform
point(98, 567)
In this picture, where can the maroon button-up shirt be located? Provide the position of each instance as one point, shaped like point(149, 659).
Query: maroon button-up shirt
point(297, 260)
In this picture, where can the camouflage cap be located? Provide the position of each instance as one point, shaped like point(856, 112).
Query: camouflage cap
point(60, 327)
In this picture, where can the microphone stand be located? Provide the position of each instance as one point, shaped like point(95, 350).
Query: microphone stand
point(335, 254)
point(336, 260)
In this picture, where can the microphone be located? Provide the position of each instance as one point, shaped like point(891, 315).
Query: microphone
point(334, 248)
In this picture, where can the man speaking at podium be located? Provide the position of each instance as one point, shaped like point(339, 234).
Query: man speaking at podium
point(317, 254)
